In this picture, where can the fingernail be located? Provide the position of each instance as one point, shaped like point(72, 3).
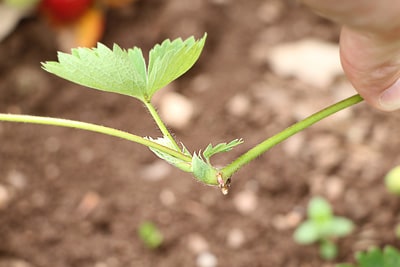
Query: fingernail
point(390, 98)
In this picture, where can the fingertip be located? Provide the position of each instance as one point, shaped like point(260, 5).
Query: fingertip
point(389, 99)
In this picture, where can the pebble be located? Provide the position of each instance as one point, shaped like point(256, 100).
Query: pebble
point(235, 238)
point(176, 110)
point(201, 83)
point(89, 203)
point(312, 61)
point(14, 263)
point(17, 179)
point(167, 197)
point(287, 221)
point(197, 243)
point(294, 145)
point(239, 105)
point(86, 155)
point(4, 197)
point(52, 144)
point(245, 202)
point(156, 171)
point(334, 188)
point(206, 259)
point(270, 11)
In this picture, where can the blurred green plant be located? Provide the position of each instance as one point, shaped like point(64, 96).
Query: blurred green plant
point(150, 235)
point(375, 257)
point(392, 180)
point(125, 72)
point(322, 227)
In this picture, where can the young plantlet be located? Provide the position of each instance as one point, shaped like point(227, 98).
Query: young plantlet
point(150, 235)
point(375, 257)
point(125, 72)
point(322, 227)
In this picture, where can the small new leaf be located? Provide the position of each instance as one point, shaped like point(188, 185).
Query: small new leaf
point(223, 147)
point(124, 71)
point(203, 171)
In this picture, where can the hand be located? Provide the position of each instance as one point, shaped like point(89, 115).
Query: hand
point(369, 46)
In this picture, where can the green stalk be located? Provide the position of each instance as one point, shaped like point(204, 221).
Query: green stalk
point(94, 128)
point(161, 124)
point(256, 151)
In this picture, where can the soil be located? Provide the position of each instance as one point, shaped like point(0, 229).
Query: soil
point(75, 198)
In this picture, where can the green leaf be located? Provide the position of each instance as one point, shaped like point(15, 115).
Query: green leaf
point(203, 171)
point(150, 235)
point(341, 226)
point(116, 70)
point(124, 71)
point(170, 60)
point(319, 210)
point(306, 233)
point(165, 141)
point(222, 147)
point(375, 257)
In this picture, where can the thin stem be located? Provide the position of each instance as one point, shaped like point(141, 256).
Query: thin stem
point(161, 124)
point(94, 128)
point(256, 151)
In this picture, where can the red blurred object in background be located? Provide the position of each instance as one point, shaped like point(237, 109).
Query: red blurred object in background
point(64, 11)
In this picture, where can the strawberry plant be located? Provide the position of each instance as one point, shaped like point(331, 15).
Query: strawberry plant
point(126, 72)
point(322, 227)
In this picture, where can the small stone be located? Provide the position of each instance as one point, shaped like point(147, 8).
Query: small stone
point(52, 144)
point(86, 155)
point(4, 262)
point(89, 203)
point(197, 243)
point(239, 105)
point(312, 61)
point(201, 83)
point(4, 197)
point(206, 259)
point(156, 171)
point(167, 197)
point(334, 188)
point(294, 145)
point(17, 179)
point(176, 110)
point(245, 201)
point(287, 221)
point(270, 11)
point(235, 238)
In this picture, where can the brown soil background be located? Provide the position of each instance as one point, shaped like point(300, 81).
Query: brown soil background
point(52, 174)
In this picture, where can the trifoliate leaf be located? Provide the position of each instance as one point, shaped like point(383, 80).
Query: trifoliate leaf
point(124, 71)
point(183, 165)
point(223, 147)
